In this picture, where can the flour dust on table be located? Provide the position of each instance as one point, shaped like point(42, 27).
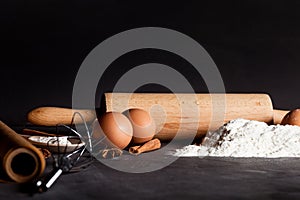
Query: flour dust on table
point(247, 138)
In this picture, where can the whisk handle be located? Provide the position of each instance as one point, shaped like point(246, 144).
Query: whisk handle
point(42, 185)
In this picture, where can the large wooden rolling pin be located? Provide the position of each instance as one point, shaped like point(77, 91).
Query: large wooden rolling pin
point(188, 113)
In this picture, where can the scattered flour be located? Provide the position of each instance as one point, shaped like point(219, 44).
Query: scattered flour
point(63, 140)
point(247, 138)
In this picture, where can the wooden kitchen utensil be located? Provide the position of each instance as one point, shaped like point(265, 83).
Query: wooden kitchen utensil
point(21, 161)
point(186, 113)
point(51, 116)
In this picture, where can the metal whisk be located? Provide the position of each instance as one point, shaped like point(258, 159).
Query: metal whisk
point(67, 160)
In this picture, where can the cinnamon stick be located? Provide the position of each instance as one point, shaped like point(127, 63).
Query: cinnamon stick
point(148, 146)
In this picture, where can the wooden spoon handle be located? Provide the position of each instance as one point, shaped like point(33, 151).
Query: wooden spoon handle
point(51, 116)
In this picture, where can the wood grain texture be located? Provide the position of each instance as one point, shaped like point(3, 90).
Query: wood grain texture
point(20, 160)
point(187, 114)
point(51, 116)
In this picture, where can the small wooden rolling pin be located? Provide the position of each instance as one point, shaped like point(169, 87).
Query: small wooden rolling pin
point(187, 113)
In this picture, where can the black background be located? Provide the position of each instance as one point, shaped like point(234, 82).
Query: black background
point(255, 44)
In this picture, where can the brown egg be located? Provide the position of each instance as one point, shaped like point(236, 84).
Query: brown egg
point(292, 118)
point(142, 123)
point(113, 130)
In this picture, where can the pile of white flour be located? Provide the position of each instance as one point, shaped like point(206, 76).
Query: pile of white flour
point(247, 138)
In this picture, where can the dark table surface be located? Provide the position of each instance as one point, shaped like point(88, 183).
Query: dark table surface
point(255, 45)
point(186, 178)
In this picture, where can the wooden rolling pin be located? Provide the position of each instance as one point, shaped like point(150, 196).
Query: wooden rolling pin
point(21, 161)
point(173, 112)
